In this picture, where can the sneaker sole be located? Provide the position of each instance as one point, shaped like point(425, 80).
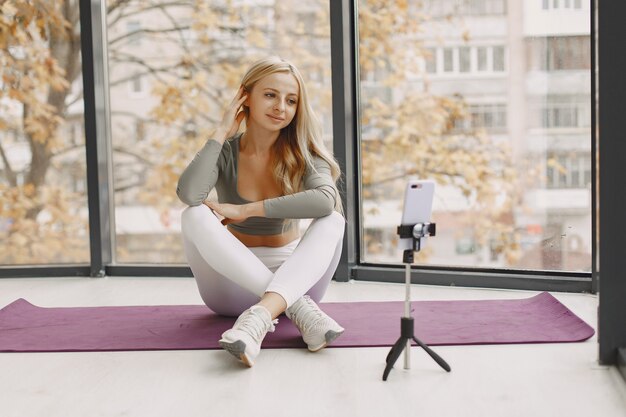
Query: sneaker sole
point(330, 337)
point(238, 350)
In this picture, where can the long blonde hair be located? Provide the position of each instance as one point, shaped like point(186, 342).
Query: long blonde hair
point(301, 140)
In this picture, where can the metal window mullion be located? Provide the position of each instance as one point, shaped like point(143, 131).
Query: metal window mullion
point(345, 136)
point(97, 145)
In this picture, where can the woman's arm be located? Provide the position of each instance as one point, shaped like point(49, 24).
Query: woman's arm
point(318, 199)
point(200, 176)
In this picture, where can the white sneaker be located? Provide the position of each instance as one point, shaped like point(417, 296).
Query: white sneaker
point(317, 328)
point(244, 339)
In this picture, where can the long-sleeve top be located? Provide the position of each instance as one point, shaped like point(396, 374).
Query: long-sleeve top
point(215, 165)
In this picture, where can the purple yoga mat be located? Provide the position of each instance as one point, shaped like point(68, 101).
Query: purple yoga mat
point(539, 319)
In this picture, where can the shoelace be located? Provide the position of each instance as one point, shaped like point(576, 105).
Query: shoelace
point(302, 315)
point(250, 324)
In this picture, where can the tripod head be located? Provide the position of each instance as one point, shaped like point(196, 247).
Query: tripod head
point(416, 232)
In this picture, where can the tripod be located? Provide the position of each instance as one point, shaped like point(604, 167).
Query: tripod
point(416, 232)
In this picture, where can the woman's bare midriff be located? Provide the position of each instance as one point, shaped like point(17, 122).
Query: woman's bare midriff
point(273, 241)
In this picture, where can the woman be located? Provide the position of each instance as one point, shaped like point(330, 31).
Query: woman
point(275, 172)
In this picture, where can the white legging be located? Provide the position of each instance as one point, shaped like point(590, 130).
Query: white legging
point(232, 277)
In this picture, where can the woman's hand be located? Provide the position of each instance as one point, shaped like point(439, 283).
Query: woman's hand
point(231, 213)
point(234, 213)
point(232, 117)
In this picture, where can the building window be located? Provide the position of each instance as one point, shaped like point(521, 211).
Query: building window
point(442, 8)
point(491, 117)
point(136, 84)
point(559, 53)
point(481, 57)
point(448, 60)
point(571, 170)
point(498, 58)
point(563, 116)
point(133, 28)
point(431, 60)
point(464, 59)
point(563, 112)
point(562, 4)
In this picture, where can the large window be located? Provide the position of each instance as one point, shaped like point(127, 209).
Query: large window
point(43, 204)
point(502, 126)
point(173, 66)
point(498, 114)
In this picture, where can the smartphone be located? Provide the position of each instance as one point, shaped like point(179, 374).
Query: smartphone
point(418, 206)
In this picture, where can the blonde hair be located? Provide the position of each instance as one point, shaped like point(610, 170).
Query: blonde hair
point(301, 140)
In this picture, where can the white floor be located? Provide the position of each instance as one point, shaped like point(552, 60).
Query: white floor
point(504, 380)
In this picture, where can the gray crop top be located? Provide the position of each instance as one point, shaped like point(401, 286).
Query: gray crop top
point(215, 165)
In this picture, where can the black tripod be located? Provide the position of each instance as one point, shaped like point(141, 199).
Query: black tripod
point(416, 232)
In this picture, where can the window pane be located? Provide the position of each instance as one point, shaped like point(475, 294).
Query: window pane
point(431, 60)
point(510, 156)
point(448, 60)
point(498, 58)
point(481, 53)
point(43, 209)
point(464, 59)
point(185, 69)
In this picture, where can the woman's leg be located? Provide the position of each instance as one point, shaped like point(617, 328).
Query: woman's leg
point(319, 289)
point(312, 264)
point(230, 277)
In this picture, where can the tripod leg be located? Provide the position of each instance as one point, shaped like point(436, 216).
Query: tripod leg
point(393, 355)
point(397, 347)
point(393, 348)
point(432, 354)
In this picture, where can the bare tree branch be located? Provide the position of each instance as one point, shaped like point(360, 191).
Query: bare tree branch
point(113, 5)
point(413, 172)
point(66, 150)
point(150, 70)
point(155, 31)
point(124, 151)
point(78, 97)
point(183, 43)
point(129, 186)
point(122, 16)
point(127, 113)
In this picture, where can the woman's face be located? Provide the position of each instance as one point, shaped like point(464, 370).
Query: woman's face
point(273, 101)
